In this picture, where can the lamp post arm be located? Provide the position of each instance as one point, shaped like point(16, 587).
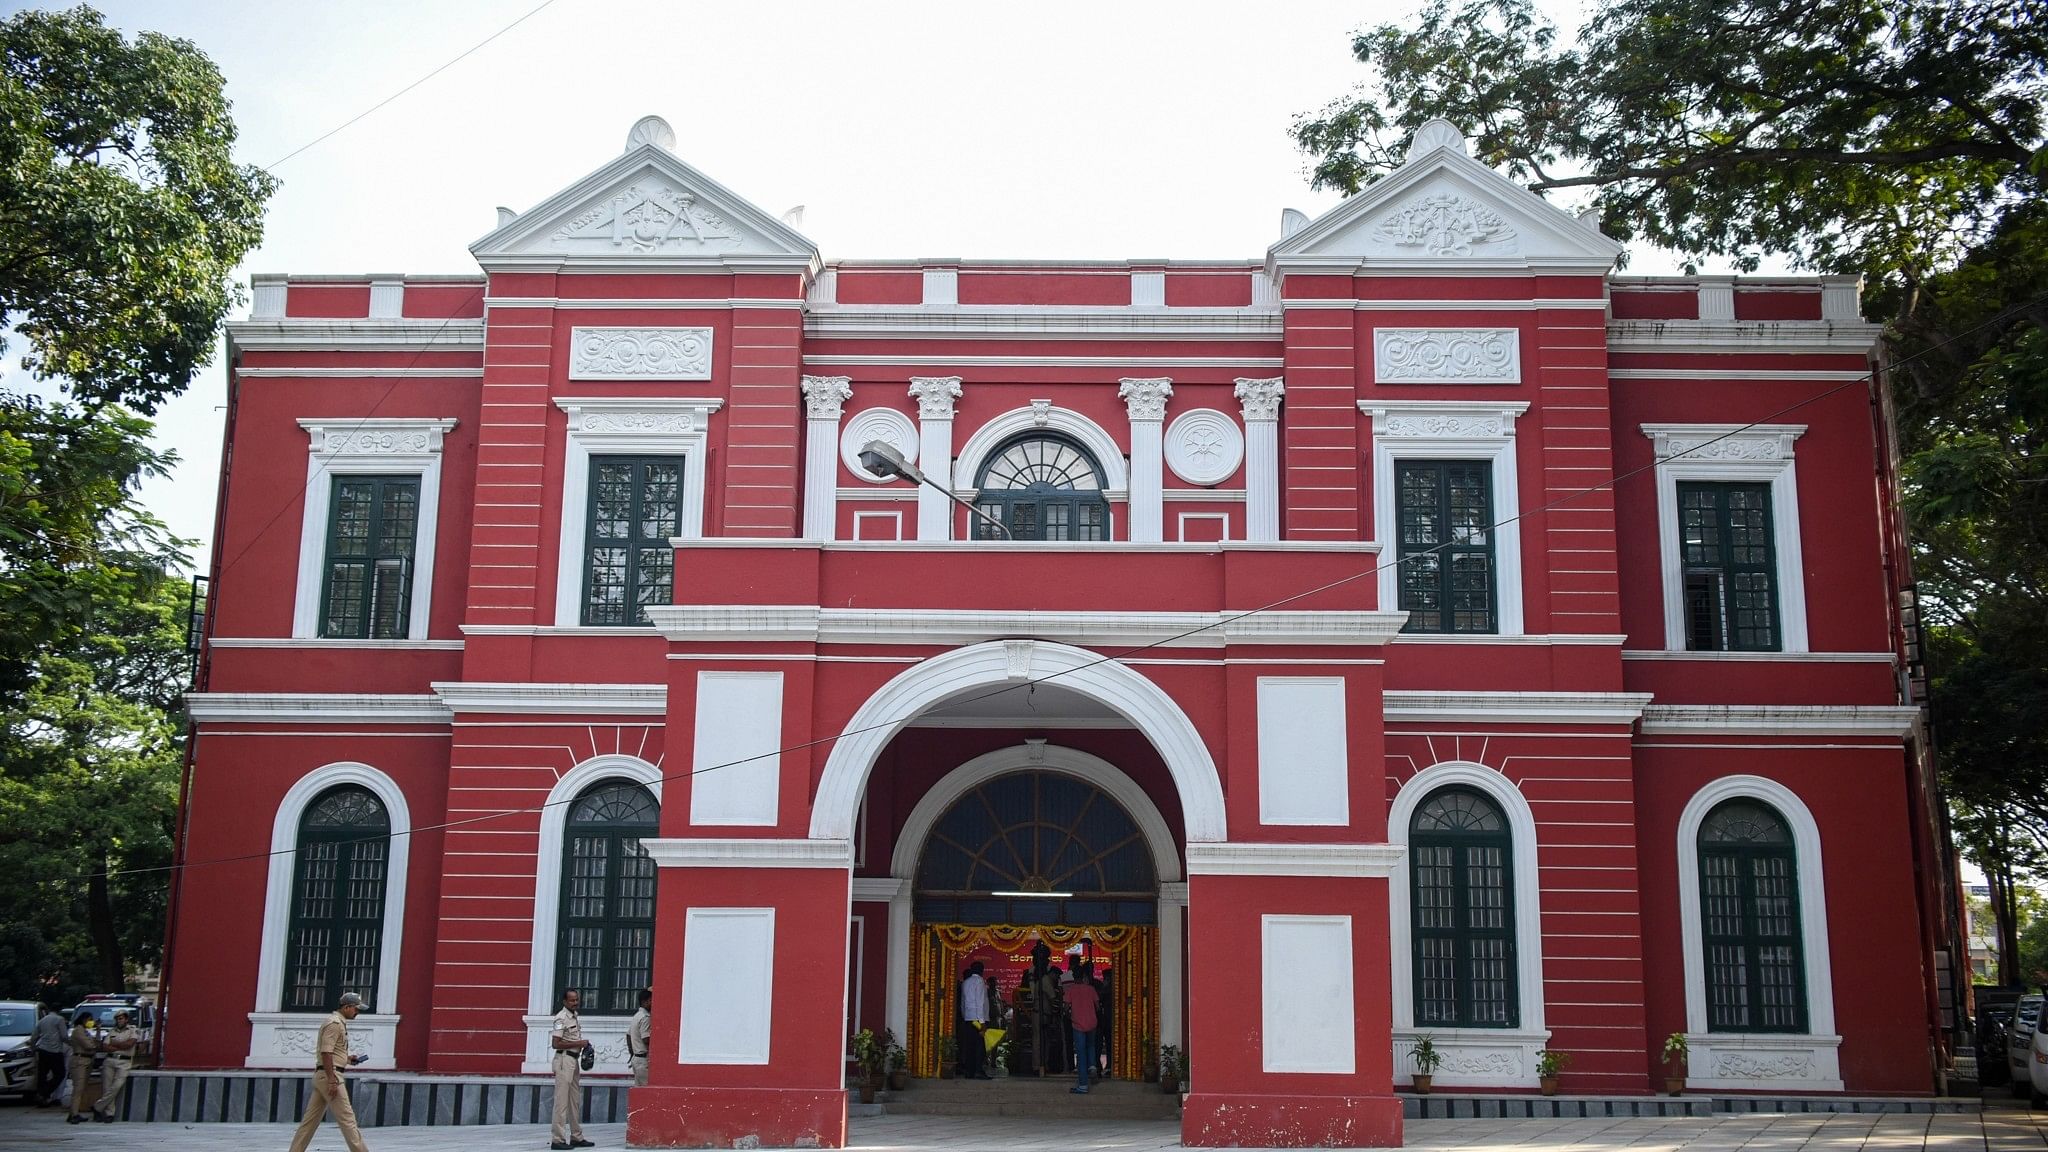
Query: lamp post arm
point(971, 509)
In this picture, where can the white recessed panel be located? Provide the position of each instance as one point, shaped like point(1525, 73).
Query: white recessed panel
point(736, 771)
point(1305, 995)
point(1303, 760)
point(728, 982)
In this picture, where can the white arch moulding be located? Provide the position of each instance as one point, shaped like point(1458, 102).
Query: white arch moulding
point(280, 1039)
point(1116, 481)
point(1474, 1057)
point(607, 1033)
point(1807, 1061)
point(917, 827)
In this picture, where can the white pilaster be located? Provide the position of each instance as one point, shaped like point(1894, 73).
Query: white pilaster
point(1145, 400)
point(824, 398)
point(897, 1002)
point(1261, 401)
point(1173, 905)
point(935, 396)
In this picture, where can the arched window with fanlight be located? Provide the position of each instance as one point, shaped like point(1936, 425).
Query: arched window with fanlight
point(607, 912)
point(1749, 919)
point(336, 935)
point(1462, 912)
point(1042, 486)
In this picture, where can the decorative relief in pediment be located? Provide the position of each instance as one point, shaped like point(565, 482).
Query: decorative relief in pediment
point(645, 217)
point(1445, 224)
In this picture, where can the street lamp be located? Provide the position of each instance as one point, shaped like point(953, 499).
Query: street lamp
point(881, 458)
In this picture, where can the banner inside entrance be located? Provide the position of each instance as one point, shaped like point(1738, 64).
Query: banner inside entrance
point(940, 953)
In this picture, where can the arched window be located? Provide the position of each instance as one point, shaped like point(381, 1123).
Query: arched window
point(1036, 848)
point(1463, 917)
point(1749, 904)
point(607, 920)
point(1042, 487)
point(336, 936)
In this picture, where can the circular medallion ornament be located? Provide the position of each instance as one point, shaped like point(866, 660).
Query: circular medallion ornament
point(1204, 446)
point(885, 424)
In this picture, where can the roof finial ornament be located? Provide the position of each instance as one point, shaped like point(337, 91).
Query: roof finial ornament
point(651, 130)
point(1436, 134)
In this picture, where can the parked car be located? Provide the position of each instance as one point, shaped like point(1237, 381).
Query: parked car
point(141, 1013)
point(2037, 1066)
point(17, 1048)
point(2020, 1050)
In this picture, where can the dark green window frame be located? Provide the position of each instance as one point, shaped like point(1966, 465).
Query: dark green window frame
point(605, 941)
point(635, 511)
point(1042, 486)
point(372, 536)
point(1750, 932)
point(1444, 518)
point(1729, 557)
point(335, 940)
point(1462, 913)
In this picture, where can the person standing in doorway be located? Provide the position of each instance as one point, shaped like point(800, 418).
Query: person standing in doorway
point(49, 1044)
point(119, 1043)
point(330, 1094)
point(83, 1043)
point(566, 1038)
point(1082, 1003)
point(972, 1048)
point(1104, 1017)
point(638, 1033)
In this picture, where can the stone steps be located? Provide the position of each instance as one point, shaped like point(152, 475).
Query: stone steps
point(1032, 1097)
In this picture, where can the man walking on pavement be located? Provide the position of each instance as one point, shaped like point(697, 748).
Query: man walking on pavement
point(1082, 1002)
point(119, 1043)
point(49, 1044)
point(330, 1094)
point(83, 1044)
point(566, 1037)
point(638, 1032)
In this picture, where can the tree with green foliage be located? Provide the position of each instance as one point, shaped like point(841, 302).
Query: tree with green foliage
point(1897, 139)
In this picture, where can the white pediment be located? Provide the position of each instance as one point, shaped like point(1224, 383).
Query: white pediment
point(1443, 211)
point(646, 208)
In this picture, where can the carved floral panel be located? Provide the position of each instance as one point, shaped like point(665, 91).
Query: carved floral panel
point(1447, 355)
point(640, 354)
point(1204, 446)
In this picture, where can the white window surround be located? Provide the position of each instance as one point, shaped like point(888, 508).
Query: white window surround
point(1087, 433)
point(372, 446)
point(1767, 1061)
point(280, 1039)
point(1731, 453)
point(1473, 1057)
point(607, 1032)
point(1450, 430)
point(624, 426)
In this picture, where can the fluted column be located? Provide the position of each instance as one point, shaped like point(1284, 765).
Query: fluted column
point(1145, 401)
point(824, 398)
point(935, 396)
point(1261, 402)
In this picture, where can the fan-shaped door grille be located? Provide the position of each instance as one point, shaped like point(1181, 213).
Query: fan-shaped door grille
point(1036, 832)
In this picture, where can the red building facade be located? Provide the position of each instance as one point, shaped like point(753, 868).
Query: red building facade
point(1420, 632)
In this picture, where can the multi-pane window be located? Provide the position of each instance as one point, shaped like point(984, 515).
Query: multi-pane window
point(336, 935)
point(607, 915)
point(1444, 512)
point(1731, 596)
point(636, 509)
point(1462, 913)
point(1042, 487)
point(1749, 917)
point(372, 532)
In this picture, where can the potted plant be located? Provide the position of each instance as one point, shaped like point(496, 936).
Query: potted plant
point(1549, 1062)
point(949, 1050)
point(1674, 1063)
point(899, 1068)
point(1148, 1058)
point(871, 1053)
point(1426, 1058)
point(1173, 1067)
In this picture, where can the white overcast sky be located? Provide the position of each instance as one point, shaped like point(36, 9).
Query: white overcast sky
point(1111, 130)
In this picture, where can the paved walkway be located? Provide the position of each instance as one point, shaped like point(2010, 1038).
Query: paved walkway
point(1998, 1129)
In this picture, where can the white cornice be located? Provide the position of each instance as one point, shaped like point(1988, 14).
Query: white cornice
point(354, 335)
point(877, 889)
point(305, 642)
point(339, 373)
point(313, 708)
point(1895, 720)
point(1763, 657)
point(630, 303)
point(1098, 547)
point(1545, 303)
point(1246, 859)
point(748, 623)
point(567, 699)
point(1515, 707)
point(1720, 336)
point(750, 853)
point(1005, 322)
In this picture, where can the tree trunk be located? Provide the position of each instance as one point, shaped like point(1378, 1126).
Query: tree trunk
point(106, 942)
point(2005, 905)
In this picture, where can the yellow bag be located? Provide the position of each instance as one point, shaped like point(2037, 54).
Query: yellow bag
point(992, 1037)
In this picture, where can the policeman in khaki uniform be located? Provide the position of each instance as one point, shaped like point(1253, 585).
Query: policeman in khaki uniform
point(566, 1038)
point(119, 1044)
point(330, 1056)
point(638, 1032)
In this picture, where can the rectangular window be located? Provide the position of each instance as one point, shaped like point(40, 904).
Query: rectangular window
point(1731, 593)
point(372, 530)
point(1445, 517)
point(635, 511)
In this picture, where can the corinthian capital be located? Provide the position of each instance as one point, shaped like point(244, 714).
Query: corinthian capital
point(935, 395)
point(1145, 399)
point(1261, 398)
point(825, 396)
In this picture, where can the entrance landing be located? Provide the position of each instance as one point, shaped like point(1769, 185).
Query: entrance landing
point(1046, 1098)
